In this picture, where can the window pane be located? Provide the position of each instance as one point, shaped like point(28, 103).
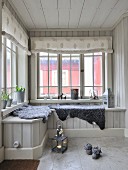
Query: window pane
point(88, 91)
point(65, 55)
point(66, 71)
point(43, 69)
point(88, 54)
point(99, 53)
point(2, 74)
point(43, 54)
point(88, 71)
point(53, 72)
point(8, 62)
point(14, 47)
point(98, 90)
point(8, 43)
point(43, 91)
point(52, 54)
point(2, 39)
point(97, 71)
point(53, 91)
point(75, 71)
point(66, 91)
point(13, 69)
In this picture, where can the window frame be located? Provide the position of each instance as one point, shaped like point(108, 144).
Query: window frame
point(4, 58)
point(81, 92)
point(103, 72)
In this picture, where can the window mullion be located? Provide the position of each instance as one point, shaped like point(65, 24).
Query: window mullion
point(48, 73)
point(59, 74)
point(38, 75)
point(70, 73)
point(93, 70)
point(11, 67)
point(82, 75)
point(5, 64)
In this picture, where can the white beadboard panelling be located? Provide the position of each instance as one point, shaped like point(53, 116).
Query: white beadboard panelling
point(8, 135)
point(113, 119)
point(64, 33)
point(109, 4)
point(64, 4)
point(98, 19)
point(17, 133)
point(64, 124)
point(96, 33)
point(51, 121)
point(22, 11)
point(35, 134)
point(106, 120)
point(74, 18)
point(76, 123)
point(44, 13)
point(91, 33)
point(122, 4)
point(63, 18)
point(51, 17)
point(116, 119)
point(70, 123)
point(83, 124)
point(27, 135)
point(75, 4)
point(89, 125)
point(69, 34)
point(55, 119)
point(53, 33)
point(37, 34)
point(75, 34)
point(110, 118)
point(48, 33)
point(114, 15)
point(122, 120)
point(35, 16)
point(43, 34)
point(48, 4)
point(59, 34)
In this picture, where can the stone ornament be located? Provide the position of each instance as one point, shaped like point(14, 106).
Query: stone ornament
point(94, 151)
point(88, 148)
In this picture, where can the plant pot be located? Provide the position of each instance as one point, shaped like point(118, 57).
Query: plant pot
point(3, 104)
point(9, 102)
point(20, 97)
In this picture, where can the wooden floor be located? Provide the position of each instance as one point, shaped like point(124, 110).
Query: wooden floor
point(114, 155)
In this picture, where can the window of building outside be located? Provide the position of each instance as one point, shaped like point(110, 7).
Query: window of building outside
point(8, 65)
point(61, 73)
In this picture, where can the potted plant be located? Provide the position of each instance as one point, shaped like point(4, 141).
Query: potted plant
point(4, 98)
point(20, 93)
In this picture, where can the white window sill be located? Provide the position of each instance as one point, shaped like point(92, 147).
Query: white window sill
point(5, 112)
point(57, 101)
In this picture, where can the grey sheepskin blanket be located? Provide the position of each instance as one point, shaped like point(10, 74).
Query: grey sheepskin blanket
point(32, 112)
point(90, 113)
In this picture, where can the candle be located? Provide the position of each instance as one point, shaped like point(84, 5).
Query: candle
point(59, 146)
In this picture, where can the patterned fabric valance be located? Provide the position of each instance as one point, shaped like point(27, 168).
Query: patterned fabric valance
point(12, 29)
point(71, 44)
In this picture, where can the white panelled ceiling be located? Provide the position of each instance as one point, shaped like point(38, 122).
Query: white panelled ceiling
point(75, 14)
